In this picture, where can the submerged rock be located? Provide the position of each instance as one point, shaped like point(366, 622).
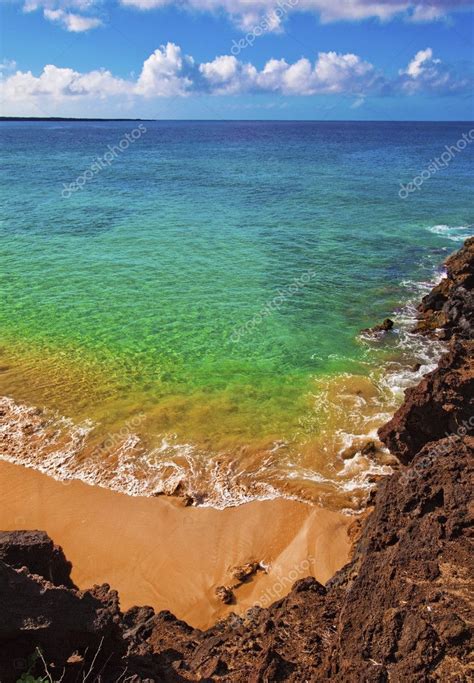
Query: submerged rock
point(384, 326)
point(368, 448)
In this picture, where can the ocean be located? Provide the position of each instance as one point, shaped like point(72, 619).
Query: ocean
point(182, 301)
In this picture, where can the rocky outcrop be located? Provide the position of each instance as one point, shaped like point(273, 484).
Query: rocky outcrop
point(448, 309)
point(35, 550)
point(442, 405)
point(399, 611)
point(405, 613)
point(58, 622)
point(385, 326)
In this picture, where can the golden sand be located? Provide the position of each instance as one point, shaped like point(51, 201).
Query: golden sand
point(156, 552)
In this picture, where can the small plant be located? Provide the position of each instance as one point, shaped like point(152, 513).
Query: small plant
point(28, 676)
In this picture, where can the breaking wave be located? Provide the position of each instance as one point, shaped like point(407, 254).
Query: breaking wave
point(455, 234)
point(60, 448)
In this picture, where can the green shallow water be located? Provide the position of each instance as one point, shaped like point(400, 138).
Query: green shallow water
point(137, 292)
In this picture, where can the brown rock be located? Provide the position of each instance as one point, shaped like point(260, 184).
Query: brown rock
point(441, 405)
point(36, 551)
point(450, 305)
point(60, 621)
point(225, 594)
point(384, 326)
point(350, 452)
point(245, 571)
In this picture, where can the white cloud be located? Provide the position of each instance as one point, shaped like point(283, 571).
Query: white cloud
point(429, 12)
point(170, 73)
point(162, 73)
point(273, 73)
point(248, 14)
point(7, 65)
point(61, 83)
point(76, 23)
point(343, 73)
point(426, 74)
point(255, 15)
point(419, 63)
point(359, 102)
point(75, 16)
point(331, 73)
point(226, 75)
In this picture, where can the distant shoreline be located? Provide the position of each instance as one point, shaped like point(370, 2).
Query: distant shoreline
point(351, 121)
point(61, 118)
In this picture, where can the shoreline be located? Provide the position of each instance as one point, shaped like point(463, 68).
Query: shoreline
point(305, 538)
point(157, 552)
point(318, 470)
point(51, 443)
point(399, 609)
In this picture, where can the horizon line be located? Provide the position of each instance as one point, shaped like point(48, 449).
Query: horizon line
point(220, 120)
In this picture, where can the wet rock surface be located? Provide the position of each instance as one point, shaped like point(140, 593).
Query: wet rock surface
point(385, 326)
point(441, 405)
point(399, 611)
point(448, 310)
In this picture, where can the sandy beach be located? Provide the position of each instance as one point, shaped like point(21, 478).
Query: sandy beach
point(155, 551)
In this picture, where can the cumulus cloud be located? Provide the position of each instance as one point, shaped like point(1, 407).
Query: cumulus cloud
point(169, 73)
point(163, 73)
point(424, 73)
point(331, 73)
point(418, 64)
point(226, 75)
point(61, 83)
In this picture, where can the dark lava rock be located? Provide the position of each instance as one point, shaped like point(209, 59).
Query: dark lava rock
point(60, 621)
point(449, 307)
point(36, 551)
point(385, 326)
point(442, 404)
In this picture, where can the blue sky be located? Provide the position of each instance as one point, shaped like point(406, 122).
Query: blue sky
point(289, 59)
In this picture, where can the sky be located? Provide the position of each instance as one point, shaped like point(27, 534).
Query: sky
point(236, 59)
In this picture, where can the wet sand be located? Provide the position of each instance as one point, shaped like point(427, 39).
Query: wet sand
point(156, 552)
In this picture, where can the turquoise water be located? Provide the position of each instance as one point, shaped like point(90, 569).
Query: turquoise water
point(136, 292)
